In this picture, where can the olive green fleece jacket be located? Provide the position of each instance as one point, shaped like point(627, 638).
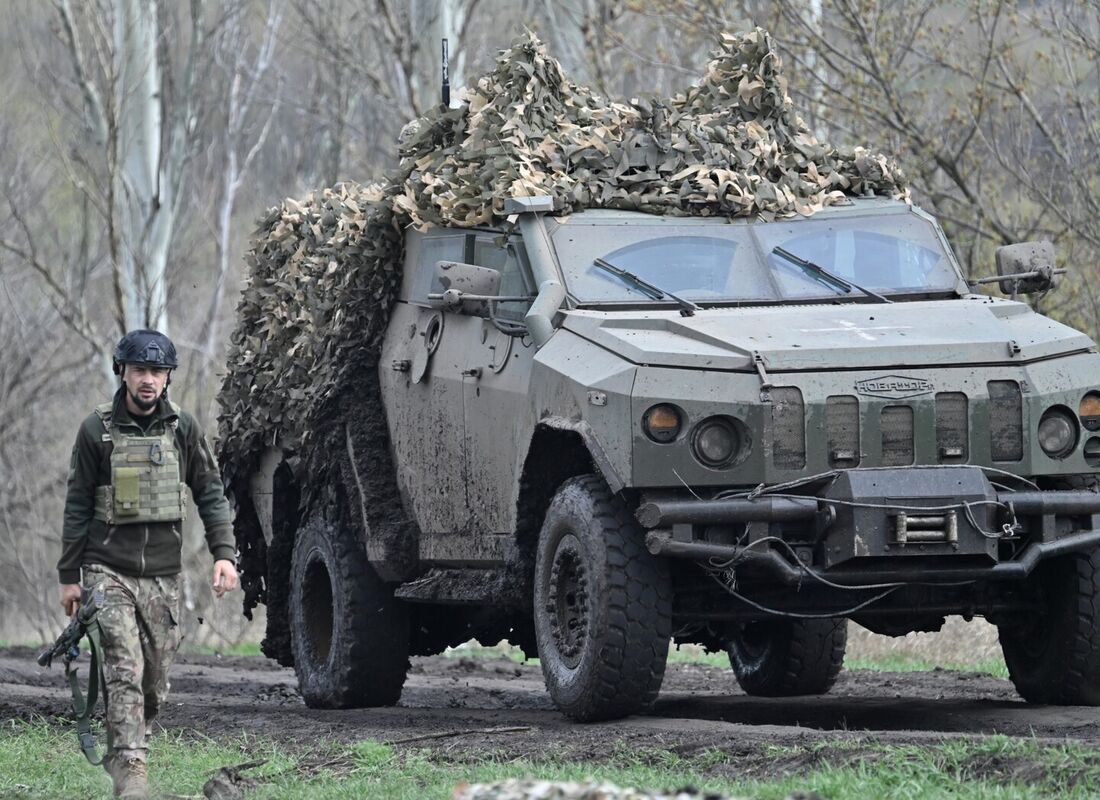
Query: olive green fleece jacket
point(139, 549)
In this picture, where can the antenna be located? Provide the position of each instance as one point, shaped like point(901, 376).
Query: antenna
point(446, 76)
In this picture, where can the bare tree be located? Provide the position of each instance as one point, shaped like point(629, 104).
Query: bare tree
point(244, 128)
point(142, 116)
point(381, 66)
point(35, 370)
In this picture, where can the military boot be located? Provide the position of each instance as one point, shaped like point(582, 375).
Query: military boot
point(129, 777)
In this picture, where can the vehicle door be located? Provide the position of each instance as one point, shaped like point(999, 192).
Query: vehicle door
point(422, 368)
point(498, 372)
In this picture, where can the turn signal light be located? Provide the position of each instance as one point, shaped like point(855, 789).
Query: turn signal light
point(1089, 411)
point(662, 423)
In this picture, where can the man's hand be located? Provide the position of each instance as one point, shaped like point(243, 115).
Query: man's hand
point(70, 597)
point(225, 577)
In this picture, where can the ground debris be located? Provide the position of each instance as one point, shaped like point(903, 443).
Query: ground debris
point(586, 790)
point(229, 783)
point(281, 693)
point(458, 733)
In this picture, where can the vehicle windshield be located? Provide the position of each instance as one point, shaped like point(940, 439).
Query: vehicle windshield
point(702, 261)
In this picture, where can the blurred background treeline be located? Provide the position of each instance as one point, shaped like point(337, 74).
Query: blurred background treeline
point(140, 139)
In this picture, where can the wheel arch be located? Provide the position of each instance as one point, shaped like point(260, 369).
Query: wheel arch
point(266, 521)
point(560, 449)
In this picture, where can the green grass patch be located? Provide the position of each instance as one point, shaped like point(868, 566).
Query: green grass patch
point(906, 663)
point(38, 760)
point(694, 654)
point(239, 649)
point(502, 649)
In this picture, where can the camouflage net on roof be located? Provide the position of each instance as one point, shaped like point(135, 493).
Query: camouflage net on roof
point(324, 270)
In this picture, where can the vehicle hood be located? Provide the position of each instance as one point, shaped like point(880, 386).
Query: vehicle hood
point(959, 331)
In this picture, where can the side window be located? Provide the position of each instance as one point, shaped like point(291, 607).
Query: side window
point(511, 262)
point(451, 246)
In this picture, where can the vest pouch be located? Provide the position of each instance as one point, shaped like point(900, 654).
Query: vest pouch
point(145, 479)
point(127, 491)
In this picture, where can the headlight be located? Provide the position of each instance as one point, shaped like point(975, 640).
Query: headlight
point(716, 442)
point(662, 423)
point(1057, 432)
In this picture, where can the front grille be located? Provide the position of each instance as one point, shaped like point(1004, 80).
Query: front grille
point(1006, 423)
point(897, 436)
point(842, 430)
point(789, 428)
point(952, 427)
point(844, 433)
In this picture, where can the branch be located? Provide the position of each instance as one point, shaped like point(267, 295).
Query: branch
point(96, 115)
point(60, 300)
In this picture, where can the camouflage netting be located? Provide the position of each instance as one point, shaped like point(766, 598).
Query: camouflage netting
point(325, 269)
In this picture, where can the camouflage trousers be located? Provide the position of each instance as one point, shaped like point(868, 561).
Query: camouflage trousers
point(140, 634)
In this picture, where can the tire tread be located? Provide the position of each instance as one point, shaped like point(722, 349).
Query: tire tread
point(369, 658)
point(630, 664)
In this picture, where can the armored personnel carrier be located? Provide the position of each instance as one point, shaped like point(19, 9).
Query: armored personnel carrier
point(610, 430)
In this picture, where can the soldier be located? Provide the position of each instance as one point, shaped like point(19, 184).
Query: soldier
point(123, 529)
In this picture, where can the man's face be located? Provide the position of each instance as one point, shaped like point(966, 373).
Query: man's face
point(144, 385)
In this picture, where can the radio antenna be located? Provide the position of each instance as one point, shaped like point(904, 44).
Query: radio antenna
point(446, 77)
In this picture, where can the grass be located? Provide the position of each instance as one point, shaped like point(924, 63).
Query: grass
point(239, 649)
point(693, 654)
point(908, 663)
point(474, 649)
point(38, 760)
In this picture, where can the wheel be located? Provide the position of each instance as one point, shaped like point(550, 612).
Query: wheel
point(349, 636)
point(785, 657)
point(1054, 657)
point(603, 605)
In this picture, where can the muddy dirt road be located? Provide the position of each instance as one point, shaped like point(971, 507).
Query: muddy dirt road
point(700, 708)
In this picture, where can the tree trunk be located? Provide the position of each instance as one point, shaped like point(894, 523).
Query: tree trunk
point(144, 222)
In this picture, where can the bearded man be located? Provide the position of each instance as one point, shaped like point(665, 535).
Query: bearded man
point(123, 536)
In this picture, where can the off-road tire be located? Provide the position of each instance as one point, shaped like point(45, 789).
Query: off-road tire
point(349, 636)
point(602, 605)
point(1054, 658)
point(786, 657)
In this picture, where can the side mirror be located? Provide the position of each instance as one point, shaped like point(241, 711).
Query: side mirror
point(1026, 267)
point(454, 282)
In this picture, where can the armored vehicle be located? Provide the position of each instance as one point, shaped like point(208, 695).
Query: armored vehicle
point(612, 430)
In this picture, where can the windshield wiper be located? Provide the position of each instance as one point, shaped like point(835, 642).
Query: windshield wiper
point(687, 308)
point(823, 275)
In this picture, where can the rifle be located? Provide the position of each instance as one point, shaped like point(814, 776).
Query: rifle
point(68, 643)
point(67, 646)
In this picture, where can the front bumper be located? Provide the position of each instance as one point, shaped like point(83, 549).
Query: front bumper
point(937, 524)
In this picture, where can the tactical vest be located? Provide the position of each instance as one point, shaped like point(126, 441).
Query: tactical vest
point(145, 476)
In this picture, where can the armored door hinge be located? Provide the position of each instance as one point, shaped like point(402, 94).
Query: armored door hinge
point(402, 365)
point(473, 372)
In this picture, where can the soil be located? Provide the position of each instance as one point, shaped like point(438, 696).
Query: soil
point(464, 708)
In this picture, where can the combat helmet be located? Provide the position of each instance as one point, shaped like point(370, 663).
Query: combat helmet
point(147, 348)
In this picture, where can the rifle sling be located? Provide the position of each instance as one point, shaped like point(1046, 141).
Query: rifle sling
point(84, 708)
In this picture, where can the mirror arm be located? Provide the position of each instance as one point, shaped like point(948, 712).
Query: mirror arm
point(457, 296)
point(1018, 276)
